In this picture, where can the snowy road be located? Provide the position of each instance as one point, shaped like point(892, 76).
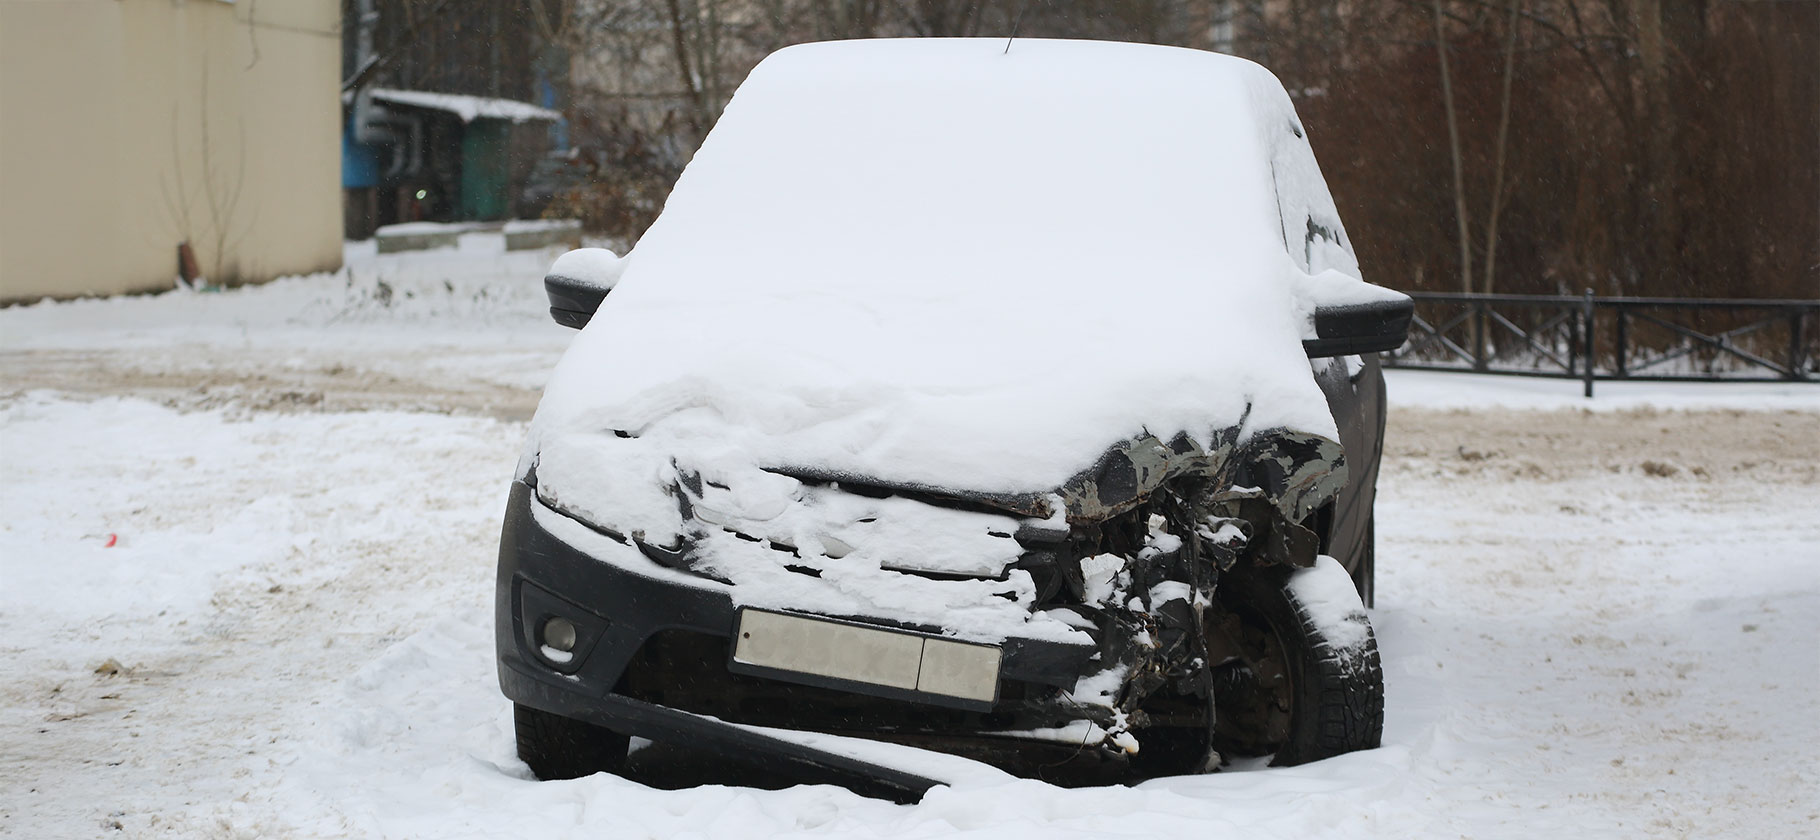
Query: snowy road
point(1594, 623)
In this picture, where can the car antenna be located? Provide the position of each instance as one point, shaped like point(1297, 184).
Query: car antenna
point(1014, 24)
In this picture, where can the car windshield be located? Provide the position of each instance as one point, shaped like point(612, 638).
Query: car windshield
point(955, 265)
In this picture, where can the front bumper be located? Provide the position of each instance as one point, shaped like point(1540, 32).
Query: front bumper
point(526, 685)
point(618, 610)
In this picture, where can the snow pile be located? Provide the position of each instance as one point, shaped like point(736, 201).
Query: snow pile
point(411, 228)
point(938, 263)
point(384, 331)
point(255, 561)
point(541, 226)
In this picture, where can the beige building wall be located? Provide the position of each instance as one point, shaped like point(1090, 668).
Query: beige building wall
point(128, 126)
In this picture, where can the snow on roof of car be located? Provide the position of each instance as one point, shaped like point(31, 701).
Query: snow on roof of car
point(947, 264)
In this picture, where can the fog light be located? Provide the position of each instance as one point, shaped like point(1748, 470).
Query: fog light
point(558, 639)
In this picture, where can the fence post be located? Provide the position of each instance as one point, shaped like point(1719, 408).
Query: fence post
point(1796, 343)
point(1478, 335)
point(1573, 347)
point(1586, 314)
point(1623, 338)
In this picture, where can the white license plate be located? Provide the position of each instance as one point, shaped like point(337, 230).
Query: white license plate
point(867, 655)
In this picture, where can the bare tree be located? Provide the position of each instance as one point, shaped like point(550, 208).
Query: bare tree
point(1454, 152)
point(692, 85)
point(218, 189)
point(1498, 164)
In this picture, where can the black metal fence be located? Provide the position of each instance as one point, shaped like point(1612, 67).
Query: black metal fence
point(1592, 338)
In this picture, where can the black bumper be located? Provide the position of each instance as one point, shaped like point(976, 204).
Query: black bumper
point(525, 685)
point(617, 611)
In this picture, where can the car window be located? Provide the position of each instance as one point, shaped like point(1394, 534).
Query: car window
point(1320, 244)
point(1312, 232)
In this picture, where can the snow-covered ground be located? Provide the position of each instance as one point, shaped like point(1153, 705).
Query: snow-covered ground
point(1594, 623)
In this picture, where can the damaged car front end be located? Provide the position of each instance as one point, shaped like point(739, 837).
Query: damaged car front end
point(813, 604)
point(1153, 561)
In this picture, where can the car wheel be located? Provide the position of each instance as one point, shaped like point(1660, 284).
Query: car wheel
point(1298, 676)
point(557, 747)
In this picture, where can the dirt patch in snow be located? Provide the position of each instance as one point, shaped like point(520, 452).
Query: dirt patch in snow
point(1682, 445)
point(267, 380)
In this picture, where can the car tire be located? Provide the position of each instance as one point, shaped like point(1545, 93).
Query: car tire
point(1330, 679)
point(558, 747)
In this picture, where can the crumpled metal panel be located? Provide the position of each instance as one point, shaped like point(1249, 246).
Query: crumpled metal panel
point(1297, 471)
point(1201, 509)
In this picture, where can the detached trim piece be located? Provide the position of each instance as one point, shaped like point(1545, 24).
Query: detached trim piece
point(646, 720)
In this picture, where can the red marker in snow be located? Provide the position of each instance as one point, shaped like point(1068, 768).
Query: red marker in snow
point(111, 539)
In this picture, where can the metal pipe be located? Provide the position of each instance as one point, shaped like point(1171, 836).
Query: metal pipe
point(407, 153)
point(365, 19)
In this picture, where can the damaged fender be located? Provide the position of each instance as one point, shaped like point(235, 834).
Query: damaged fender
point(1156, 523)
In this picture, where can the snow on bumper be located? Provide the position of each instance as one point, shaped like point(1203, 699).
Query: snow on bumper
point(553, 566)
point(1126, 565)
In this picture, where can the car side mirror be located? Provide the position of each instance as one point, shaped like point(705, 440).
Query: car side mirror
point(1360, 328)
point(578, 282)
point(1352, 317)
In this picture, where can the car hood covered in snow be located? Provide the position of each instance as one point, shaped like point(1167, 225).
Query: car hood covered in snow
point(946, 265)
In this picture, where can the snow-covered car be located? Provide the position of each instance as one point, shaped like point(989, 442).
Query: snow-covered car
point(1010, 402)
